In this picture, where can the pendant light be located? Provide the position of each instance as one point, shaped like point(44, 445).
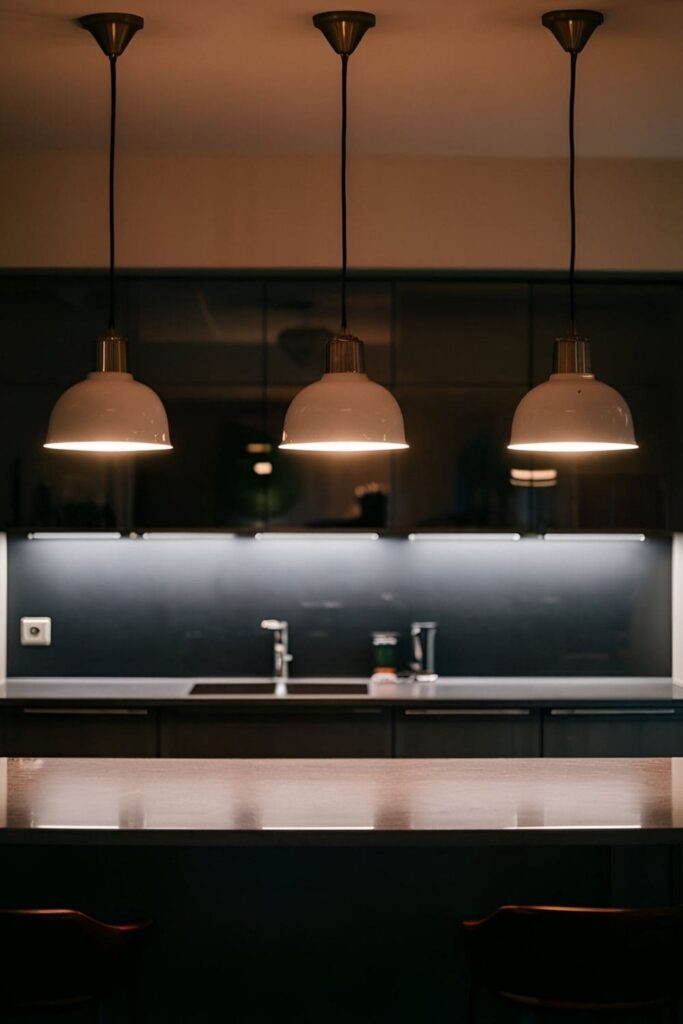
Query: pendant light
point(344, 411)
point(110, 411)
point(572, 411)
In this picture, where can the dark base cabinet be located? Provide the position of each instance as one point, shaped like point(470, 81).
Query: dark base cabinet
point(78, 732)
point(648, 732)
point(210, 731)
point(476, 732)
point(357, 732)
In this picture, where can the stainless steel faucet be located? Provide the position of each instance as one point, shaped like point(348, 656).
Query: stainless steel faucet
point(423, 637)
point(281, 656)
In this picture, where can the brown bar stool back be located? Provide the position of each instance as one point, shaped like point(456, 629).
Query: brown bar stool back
point(579, 958)
point(52, 960)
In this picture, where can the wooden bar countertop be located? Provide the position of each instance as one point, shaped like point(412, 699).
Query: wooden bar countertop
point(305, 803)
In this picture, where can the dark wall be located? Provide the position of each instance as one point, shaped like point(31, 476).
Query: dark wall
point(193, 607)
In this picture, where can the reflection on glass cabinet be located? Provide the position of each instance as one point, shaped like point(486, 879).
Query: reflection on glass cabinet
point(303, 314)
point(226, 353)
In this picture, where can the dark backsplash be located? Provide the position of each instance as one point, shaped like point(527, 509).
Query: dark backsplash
point(193, 607)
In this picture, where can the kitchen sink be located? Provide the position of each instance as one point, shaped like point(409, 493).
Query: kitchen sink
point(231, 689)
point(298, 687)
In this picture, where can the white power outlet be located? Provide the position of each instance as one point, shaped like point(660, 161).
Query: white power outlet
point(36, 632)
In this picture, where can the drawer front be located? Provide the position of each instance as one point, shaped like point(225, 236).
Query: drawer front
point(656, 732)
point(433, 732)
point(78, 732)
point(358, 732)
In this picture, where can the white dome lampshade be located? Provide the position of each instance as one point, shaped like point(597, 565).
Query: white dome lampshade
point(344, 411)
point(109, 411)
point(572, 411)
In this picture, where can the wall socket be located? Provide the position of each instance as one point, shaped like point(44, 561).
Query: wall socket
point(36, 632)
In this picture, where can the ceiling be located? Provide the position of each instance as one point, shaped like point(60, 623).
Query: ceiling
point(436, 77)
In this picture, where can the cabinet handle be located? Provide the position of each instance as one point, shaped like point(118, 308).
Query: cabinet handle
point(288, 712)
point(468, 713)
point(111, 712)
point(590, 713)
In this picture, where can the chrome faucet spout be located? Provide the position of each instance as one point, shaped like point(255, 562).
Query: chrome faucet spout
point(281, 656)
point(423, 637)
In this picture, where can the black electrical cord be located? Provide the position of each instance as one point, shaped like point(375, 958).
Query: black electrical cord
point(572, 191)
point(344, 73)
point(112, 151)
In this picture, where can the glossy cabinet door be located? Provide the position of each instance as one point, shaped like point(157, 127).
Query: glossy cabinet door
point(456, 474)
point(468, 732)
point(77, 732)
point(462, 365)
point(316, 732)
point(200, 343)
point(607, 732)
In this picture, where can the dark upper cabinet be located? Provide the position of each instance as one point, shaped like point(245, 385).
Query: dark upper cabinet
point(456, 473)
point(194, 332)
point(633, 327)
point(227, 354)
point(462, 364)
point(465, 333)
point(200, 343)
point(49, 324)
point(211, 478)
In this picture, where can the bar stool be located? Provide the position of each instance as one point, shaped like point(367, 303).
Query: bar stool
point(580, 959)
point(55, 960)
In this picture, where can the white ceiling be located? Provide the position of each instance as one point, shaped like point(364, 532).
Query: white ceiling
point(436, 77)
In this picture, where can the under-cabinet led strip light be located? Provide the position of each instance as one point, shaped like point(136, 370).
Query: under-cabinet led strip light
point(594, 536)
point(160, 535)
point(464, 536)
point(64, 535)
point(317, 536)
